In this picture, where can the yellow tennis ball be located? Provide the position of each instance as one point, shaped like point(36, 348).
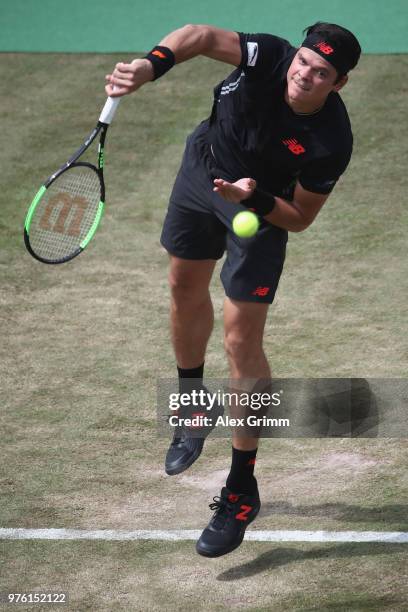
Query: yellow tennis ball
point(245, 224)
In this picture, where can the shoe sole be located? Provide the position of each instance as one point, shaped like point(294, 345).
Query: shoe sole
point(212, 555)
point(219, 553)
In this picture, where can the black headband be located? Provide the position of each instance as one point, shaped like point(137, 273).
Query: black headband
point(328, 50)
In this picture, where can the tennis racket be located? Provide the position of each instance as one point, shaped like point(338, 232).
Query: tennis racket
point(66, 211)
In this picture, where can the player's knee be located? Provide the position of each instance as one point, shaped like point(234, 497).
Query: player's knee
point(185, 287)
point(241, 347)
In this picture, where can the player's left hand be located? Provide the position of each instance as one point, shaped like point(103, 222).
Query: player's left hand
point(235, 192)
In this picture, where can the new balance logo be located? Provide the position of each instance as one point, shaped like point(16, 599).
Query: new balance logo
point(159, 54)
point(294, 146)
point(324, 48)
point(243, 516)
point(233, 498)
point(261, 291)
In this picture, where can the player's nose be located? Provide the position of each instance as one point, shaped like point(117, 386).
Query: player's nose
point(305, 74)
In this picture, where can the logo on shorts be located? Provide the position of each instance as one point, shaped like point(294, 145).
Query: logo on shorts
point(261, 291)
point(324, 47)
point(294, 146)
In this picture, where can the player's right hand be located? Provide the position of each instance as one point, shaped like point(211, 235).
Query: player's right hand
point(127, 78)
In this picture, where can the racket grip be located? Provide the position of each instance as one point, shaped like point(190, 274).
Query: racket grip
point(109, 110)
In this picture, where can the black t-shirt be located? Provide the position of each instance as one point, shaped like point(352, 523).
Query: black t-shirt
point(254, 133)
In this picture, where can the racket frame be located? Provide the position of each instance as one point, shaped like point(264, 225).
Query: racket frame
point(101, 128)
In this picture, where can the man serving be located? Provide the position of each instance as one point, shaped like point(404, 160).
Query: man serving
point(277, 141)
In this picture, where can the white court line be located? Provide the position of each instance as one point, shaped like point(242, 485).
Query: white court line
point(388, 537)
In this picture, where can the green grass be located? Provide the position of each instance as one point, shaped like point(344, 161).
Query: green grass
point(84, 343)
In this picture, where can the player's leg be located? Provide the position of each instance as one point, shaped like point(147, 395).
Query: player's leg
point(192, 315)
point(195, 238)
point(192, 320)
point(244, 324)
point(250, 276)
point(239, 502)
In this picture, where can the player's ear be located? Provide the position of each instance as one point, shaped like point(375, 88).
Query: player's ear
point(341, 83)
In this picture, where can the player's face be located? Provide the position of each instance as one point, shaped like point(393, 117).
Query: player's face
point(310, 79)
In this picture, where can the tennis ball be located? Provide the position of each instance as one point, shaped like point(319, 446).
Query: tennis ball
point(245, 224)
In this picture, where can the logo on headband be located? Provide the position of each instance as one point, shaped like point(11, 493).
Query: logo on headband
point(324, 48)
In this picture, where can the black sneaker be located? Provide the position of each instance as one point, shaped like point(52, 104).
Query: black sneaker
point(182, 452)
point(226, 530)
point(188, 443)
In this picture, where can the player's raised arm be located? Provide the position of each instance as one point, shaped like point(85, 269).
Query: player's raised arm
point(177, 47)
point(193, 40)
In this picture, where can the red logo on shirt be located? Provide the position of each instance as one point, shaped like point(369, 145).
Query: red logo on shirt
point(294, 146)
point(324, 47)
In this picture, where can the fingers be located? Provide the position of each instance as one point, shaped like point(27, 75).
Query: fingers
point(113, 90)
point(126, 78)
point(226, 190)
point(236, 192)
point(221, 186)
point(121, 81)
point(220, 183)
point(117, 87)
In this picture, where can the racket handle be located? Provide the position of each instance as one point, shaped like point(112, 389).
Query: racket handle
point(109, 110)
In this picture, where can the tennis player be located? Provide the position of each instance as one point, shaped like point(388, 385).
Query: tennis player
point(276, 142)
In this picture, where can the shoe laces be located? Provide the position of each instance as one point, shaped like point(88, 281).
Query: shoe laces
point(223, 509)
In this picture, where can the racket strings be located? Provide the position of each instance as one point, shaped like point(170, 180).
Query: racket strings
point(66, 213)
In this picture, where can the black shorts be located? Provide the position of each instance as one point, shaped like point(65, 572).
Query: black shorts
point(198, 225)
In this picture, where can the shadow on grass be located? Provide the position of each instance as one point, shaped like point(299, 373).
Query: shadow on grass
point(278, 557)
point(392, 514)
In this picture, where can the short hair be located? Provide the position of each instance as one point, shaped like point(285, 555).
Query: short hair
point(343, 38)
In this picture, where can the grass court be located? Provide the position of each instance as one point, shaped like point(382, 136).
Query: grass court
point(84, 343)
